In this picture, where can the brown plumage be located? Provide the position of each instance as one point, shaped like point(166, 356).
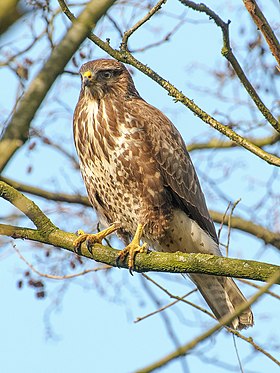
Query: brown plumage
point(137, 171)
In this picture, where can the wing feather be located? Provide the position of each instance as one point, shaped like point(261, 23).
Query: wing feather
point(174, 162)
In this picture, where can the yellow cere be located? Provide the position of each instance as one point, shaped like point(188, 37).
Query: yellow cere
point(87, 74)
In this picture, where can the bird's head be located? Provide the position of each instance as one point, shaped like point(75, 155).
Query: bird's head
point(106, 76)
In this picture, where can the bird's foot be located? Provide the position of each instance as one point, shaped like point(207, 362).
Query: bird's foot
point(91, 239)
point(132, 249)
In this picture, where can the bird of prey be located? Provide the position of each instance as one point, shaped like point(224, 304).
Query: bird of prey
point(141, 180)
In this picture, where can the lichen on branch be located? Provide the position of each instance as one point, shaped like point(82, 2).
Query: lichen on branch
point(178, 262)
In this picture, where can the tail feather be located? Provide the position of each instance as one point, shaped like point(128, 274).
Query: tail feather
point(223, 297)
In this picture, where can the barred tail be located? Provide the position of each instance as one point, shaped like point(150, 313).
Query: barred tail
point(223, 297)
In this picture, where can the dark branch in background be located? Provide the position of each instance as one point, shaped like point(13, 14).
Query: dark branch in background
point(247, 226)
point(262, 24)
point(17, 131)
point(52, 196)
point(126, 57)
point(221, 144)
point(48, 233)
point(228, 54)
point(183, 350)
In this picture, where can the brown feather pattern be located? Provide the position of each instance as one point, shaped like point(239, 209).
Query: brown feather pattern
point(137, 170)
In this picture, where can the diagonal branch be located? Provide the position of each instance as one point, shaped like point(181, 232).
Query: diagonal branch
point(17, 130)
point(228, 54)
point(177, 262)
point(126, 57)
point(216, 143)
point(262, 24)
point(128, 33)
point(183, 350)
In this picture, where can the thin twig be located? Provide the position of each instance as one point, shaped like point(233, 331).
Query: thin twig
point(229, 225)
point(163, 308)
point(230, 330)
point(183, 350)
point(220, 144)
point(126, 57)
point(55, 277)
point(128, 33)
point(228, 54)
point(223, 221)
point(269, 292)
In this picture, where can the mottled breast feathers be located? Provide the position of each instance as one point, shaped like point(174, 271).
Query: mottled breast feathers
point(121, 118)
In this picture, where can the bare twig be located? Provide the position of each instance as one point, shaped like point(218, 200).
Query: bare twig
point(52, 196)
point(228, 54)
point(55, 277)
point(221, 144)
point(183, 350)
point(249, 227)
point(271, 293)
point(163, 308)
point(229, 225)
point(128, 33)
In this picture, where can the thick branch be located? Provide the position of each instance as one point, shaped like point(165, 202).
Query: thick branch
point(228, 54)
point(17, 131)
point(178, 262)
point(262, 24)
point(126, 57)
point(159, 262)
point(27, 207)
point(247, 226)
point(10, 12)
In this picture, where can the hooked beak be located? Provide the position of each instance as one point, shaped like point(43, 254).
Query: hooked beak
point(88, 79)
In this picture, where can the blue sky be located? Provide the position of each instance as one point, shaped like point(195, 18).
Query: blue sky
point(87, 324)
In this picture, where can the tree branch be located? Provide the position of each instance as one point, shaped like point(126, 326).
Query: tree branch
point(52, 196)
point(17, 130)
point(177, 262)
point(228, 54)
point(216, 143)
point(232, 331)
point(247, 226)
point(128, 33)
point(126, 57)
point(262, 24)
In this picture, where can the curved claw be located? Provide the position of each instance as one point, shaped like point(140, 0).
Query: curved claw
point(92, 239)
point(130, 251)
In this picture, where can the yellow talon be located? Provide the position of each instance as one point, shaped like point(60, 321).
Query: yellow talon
point(132, 249)
point(91, 239)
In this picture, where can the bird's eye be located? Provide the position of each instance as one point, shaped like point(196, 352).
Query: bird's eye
point(107, 74)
